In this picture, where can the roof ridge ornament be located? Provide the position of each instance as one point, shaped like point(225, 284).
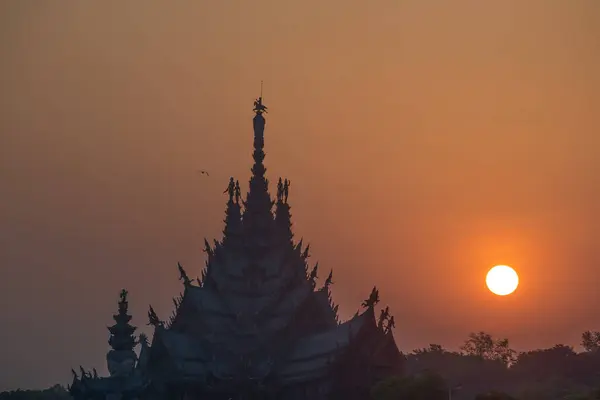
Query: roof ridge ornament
point(259, 107)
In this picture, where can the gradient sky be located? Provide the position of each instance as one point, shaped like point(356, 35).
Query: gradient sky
point(426, 140)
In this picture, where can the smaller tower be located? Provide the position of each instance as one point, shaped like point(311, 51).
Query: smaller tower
point(233, 214)
point(283, 217)
point(121, 358)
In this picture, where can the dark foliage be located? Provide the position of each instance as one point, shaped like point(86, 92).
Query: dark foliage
point(424, 386)
point(54, 393)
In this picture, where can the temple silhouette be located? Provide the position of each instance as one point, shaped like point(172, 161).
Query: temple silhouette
point(254, 325)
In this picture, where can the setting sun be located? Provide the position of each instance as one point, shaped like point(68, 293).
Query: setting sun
point(502, 280)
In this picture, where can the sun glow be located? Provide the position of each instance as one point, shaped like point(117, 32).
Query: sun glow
point(502, 280)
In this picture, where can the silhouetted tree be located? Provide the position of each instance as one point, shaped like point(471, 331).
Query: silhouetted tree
point(545, 364)
point(433, 348)
point(590, 340)
point(483, 345)
point(56, 392)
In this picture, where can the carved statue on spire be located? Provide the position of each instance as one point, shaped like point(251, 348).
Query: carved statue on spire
point(391, 324)
point(183, 276)
point(238, 192)
point(372, 300)
point(385, 313)
point(280, 191)
point(286, 189)
point(123, 295)
point(259, 107)
point(230, 189)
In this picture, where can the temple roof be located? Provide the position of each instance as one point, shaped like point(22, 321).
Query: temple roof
point(184, 347)
point(308, 357)
point(331, 341)
point(256, 313)
point(312, 356)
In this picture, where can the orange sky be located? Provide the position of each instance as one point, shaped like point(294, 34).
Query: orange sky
point(426, 140)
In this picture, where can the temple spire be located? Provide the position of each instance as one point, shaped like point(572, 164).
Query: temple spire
point(257, 215)
point(233, 213)
point(283, 216)
point(121, 359)
point(122, 332)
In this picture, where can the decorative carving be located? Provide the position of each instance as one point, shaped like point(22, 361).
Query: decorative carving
point(391, 324)
point(183, 276)
point(305, 254)
point(372, 300)
point(385, 313)
point(207, 248)
point(238, 192)
point(153, 318)
point(259, 107)
point(230, 189)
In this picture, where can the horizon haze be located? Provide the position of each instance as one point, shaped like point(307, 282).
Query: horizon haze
point(427, 141)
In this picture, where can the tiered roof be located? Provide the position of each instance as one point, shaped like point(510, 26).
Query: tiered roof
point(257, 311)
point(256, 314)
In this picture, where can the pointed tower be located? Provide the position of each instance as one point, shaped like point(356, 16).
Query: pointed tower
point(283, 217)
point(121, 359)
point(257, 326)
point(257, 218)
point(233, 214)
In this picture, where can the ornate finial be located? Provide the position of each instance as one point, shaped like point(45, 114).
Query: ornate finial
point(230, 189)
point(372, 300)
point(183, 276)
point(153, 318)
point(238, 192)
point(123, 295)
point(383, 317)
point(259, 107)
point(390, 325)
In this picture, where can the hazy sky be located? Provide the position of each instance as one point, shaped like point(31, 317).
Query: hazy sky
point(426, 140)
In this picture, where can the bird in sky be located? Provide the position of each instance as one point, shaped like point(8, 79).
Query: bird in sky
point(203, 172)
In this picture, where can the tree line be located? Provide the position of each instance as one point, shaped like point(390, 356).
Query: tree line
point(487, 368)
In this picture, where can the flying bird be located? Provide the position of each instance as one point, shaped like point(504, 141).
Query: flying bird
point(203, 172)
